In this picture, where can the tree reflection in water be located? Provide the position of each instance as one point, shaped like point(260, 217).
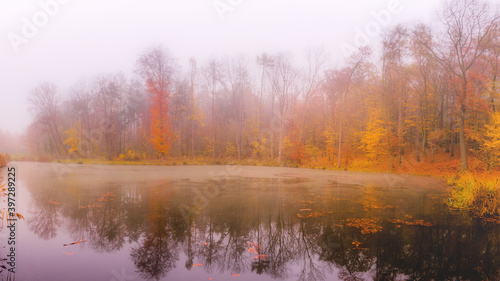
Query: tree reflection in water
point(283, 231)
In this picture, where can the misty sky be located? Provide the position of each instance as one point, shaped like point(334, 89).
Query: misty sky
point(84, 38)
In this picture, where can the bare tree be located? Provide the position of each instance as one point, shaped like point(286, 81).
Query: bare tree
point(285, 88)
point(213, 76)
point(345, 84)
point(393, 83)
point(266, 62)
point(237, 77)
point(45, 107)
point(468, 29)
point(312, 79)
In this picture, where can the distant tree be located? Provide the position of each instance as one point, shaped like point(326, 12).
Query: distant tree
point(44, 104)
point(344, 81)
point(284, 81)
point(236, 86)
point(468, 29)
point(213, 75)
point(157, 67)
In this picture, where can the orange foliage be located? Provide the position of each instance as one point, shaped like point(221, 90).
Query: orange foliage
point(366, 225)
point(161, 135)
point(415, 222)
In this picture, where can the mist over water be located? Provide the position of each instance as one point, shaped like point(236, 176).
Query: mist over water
point(284, 224)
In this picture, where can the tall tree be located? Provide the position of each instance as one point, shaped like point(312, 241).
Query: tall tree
point(346, 78)
point(394, 84)
point(45, 107)
point(284, 87)
point(468, 29)
point(237, 77)
point(214, 77)
point(312, 79)
point(157, 68)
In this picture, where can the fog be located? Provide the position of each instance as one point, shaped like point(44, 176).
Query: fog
point(87, 38)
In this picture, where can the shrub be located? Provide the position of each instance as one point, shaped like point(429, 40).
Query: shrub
point(480, 196)
point(130, 156)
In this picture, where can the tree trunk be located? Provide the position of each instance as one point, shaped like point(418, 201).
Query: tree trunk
point(463, 149)
point(340, 133)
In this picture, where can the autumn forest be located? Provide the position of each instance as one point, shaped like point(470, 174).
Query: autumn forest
point(422, 101)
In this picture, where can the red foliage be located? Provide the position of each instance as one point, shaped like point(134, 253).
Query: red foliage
point(161, 135)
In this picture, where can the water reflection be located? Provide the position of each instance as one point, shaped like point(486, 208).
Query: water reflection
point(271, 228)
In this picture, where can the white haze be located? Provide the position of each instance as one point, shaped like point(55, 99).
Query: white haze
point(89, 37)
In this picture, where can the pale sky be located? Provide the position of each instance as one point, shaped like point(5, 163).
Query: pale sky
point(47, 40)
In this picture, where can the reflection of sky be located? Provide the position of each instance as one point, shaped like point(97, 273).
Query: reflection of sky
point(39, 259)
point(254, 208)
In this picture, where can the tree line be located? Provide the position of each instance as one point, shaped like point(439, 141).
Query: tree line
point(426, 91)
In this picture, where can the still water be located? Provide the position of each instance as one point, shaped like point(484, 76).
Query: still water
point(93, 222)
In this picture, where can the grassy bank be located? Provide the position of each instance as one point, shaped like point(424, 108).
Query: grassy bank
point(479, 194)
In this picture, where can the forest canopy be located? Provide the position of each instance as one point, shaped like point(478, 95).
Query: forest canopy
point(421, 95)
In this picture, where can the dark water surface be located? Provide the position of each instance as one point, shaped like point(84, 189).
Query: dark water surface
point(241, 223)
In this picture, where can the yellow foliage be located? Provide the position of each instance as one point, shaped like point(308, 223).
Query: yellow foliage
point(491, 141)
point(259, 148)
point(130, 156)
point(312, 150)
point(208, 146)
point(230, 150)
point(73, 138)
point(373, 138)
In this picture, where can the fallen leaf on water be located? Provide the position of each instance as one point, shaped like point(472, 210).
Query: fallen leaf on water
point(90, 206)
point(209, 278)
point(198, 264)
point(314, 214)
point(68, 254)
point(236, 275)
point(415, 222)
point(54, 203)
point(75, 243)
point(366, 225)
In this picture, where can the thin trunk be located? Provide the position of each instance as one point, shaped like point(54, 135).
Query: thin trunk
point(452, 138)
point(463, 149)
point(400, 128)
point(418, 127)
point(340, 132)
point(272, 128)
point(213, 127)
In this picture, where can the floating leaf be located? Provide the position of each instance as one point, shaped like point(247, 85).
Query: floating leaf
point(75, 243)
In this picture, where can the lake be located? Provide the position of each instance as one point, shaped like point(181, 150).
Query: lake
point(105, 222)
